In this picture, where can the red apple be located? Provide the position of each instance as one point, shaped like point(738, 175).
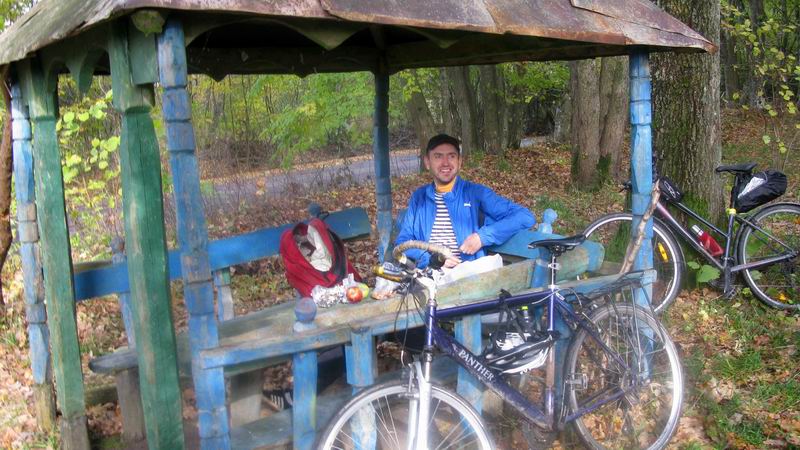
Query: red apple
point(354, 294)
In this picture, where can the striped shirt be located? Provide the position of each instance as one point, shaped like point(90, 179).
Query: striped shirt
point(442, 232)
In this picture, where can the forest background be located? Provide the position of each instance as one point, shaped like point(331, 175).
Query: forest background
point(548, 135)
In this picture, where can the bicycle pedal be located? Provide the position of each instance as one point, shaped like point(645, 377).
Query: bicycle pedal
point(578, 381)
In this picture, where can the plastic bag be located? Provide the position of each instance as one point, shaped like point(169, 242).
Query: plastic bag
point(325, 297)
point(471, 268)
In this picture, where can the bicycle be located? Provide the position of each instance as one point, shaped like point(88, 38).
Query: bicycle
point(622, 383)
point(765, 245)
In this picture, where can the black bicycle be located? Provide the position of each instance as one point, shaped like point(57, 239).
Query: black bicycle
point(622, 384)
point(762, 242)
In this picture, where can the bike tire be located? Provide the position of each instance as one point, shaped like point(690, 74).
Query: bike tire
point(652, 407)
point(668, 257)
point(776, 285)
point(389, 405)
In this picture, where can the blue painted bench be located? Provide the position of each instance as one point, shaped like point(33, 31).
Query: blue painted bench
point(98, 279)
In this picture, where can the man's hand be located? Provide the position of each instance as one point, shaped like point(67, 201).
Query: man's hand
point(452, 262)
point(471, 245)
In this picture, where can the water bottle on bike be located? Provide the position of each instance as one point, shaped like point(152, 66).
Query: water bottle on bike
point(707, 241)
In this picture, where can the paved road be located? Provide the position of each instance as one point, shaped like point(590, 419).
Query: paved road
point(338, 174)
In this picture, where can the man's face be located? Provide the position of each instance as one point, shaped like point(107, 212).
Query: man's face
point(444, 162)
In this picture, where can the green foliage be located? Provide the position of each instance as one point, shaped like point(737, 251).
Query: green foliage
point(332, 109)
point(535, 79)
point(703, 273)
point(88, 137)
point(769, 49)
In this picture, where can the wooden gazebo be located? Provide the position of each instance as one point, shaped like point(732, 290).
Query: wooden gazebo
point(145, 43)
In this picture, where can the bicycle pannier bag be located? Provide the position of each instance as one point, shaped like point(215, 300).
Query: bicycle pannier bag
point(759, 189)
point(314, 256)
point(669, 190)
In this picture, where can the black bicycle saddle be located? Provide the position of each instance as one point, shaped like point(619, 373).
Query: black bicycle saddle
point(737, 168)
point(559, 246)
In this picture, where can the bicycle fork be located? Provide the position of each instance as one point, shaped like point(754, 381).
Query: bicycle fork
point(419, 407)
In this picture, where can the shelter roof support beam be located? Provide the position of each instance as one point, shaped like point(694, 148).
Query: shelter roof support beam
point(28, 235)
point(56, 259)
point(192, 236)
point(146, 244)
point(641, 158)
point(380, 150)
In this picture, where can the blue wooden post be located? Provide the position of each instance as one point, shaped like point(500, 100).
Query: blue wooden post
point(468, 333)
point(222, 283)
point(541, 274)
point(198, 289)
point(304, 368)
point(360, 359)
point(380, 150)
point(641, 158)
point(118, 257)
point(28, 235)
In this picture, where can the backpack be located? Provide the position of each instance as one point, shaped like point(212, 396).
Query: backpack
point(313, 255)
point(758, 189)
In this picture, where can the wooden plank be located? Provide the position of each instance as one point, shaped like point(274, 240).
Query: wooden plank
point(38, 333)
point(641, 159)
point(193, 243)
point(468, 333)
point(146, 250)
point(304, 403)
point(350, 223)
point(222, 284)
point(118, 257)
point(246, 392)
point(360, 357)
point(56, 260)
point(380, 151)
point(130, 404)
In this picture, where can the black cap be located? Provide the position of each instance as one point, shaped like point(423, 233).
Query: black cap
point(440, 139)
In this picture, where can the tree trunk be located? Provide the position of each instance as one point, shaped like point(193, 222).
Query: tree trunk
point(515, 111)
point(467, 109)
point(585, 123)
point(421, 118)
point(613, 115)
point(6, 162)
point(729, 62)
point(754, 82)
point(686, 115)
point(450, 119)
point(491, 85)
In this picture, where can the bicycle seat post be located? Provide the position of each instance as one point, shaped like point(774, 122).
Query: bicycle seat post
point(554, 267)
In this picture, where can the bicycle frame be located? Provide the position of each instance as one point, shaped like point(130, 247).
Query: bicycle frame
point(544, 417)
point(725, 263)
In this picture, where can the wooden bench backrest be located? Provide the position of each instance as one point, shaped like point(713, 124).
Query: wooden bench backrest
point(113, 278)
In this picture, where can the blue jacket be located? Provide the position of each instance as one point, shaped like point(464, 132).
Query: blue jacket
point(468, 204)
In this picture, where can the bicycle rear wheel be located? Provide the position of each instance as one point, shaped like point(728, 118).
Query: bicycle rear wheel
point(389, 409)
point(777, 285)
point(647, 415)
point(613, 231)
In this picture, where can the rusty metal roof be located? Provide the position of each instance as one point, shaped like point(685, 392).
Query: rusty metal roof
point(361, 34)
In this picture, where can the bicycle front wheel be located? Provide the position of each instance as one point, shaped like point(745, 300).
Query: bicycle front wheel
point(383, 417)
point(777, 285)
point(613, 231)
point(635, 406)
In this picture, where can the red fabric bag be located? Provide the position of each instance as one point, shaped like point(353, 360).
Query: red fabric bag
point(299, 272)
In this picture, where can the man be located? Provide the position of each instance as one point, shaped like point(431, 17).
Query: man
point(450, 210)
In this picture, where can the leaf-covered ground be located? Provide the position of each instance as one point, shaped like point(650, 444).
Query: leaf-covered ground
point(740, 358)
